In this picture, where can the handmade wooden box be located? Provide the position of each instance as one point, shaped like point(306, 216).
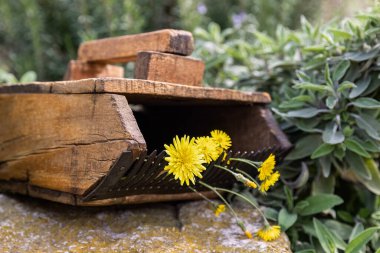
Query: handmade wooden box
point(100, 141)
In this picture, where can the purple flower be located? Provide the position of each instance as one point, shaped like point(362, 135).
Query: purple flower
point(202, 8)
point(239, 18)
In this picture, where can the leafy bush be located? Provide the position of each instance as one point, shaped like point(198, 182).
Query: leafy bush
point(324, 81)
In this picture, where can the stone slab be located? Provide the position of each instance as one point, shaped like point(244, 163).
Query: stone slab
point(31, 225)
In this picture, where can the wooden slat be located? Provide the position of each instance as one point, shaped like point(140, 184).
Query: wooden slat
point(170, 68)
point(64, 142)
point(143, 91)
point(125, 48)
point(77, 70)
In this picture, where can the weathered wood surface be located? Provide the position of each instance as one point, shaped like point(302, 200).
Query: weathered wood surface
point(64, 142)
point(125, 48)
point(77, 70)
point(169, 68)
point(143, 91)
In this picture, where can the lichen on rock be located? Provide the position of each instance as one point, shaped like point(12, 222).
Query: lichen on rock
point(31, 225)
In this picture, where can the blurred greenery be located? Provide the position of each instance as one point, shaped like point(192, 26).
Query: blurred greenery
point(43, 35)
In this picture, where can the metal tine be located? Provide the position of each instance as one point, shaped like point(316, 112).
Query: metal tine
point(213, 163)
point(143, 170)
point(235, 155)
point(157, 168)
point(135, 168)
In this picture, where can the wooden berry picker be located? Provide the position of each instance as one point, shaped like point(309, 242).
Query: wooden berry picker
point(98, 138)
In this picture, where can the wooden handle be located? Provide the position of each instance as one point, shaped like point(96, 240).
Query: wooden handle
point(125, 48)
point(169, 68)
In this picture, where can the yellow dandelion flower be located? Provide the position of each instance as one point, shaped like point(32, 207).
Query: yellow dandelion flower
point(248, 234)
point(208, 148)
point(267, 167)
point(222, 139)
point(270, 181)
point(269, 233)
point(220, 209)
point(250, 184)
point(184, 160)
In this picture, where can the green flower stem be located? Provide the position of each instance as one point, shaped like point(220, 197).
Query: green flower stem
point(228, 170)
point(221, 197)
point(203, 196)
point(248, 176)
point(249, 162)
point(244, 175)
point(246, 199)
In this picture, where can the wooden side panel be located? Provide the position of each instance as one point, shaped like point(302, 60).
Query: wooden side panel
point(125, 48)
point(77, 70)
point(169, 68)
point(64, 142)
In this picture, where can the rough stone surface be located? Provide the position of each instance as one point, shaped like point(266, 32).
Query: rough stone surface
point(31, 225)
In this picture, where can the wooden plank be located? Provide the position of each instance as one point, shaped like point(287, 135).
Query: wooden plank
point(125, 48)
point(169, 68)
point(144, 91)
point(64, 142)
point(77, 70)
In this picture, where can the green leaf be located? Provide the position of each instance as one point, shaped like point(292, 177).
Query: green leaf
point(332, 134)
point(289, 197)
point(355, 147)
point(367, 103)
point(361, 240)
point(291, 104)
point(345, 216)
point(306, 251)
point(363, 56)
point(324, 236)
point(357, 165)
point(323, 185)
point(322, 150)
point(286, 219)
point(315, 62)
point(340, 70)
point(304, 147)
point(367, 125)
point(331, 102)
point(312, 87)
point(318, 203)
point(28, 77)
point(305, 113)
point(340, 34)
point(328, 76)
point(325, 163)
point(345, 86)
point(270, 214)
point(341, 229)
point(302, 98)
point(356, 231)
point(361, 86)
point(374, 183)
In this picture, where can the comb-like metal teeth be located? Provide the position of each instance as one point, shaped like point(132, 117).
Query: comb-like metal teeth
point(145, 174)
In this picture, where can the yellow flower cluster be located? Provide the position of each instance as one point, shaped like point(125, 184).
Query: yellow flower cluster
point(266, 175)
point(269, 233)
point(220, 209)
point(186, 157)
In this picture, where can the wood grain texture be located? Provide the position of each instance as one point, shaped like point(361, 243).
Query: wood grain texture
point(125, 48)
point(144, 91)
point(77, 70)
point(64, 142)
point(169, 68)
